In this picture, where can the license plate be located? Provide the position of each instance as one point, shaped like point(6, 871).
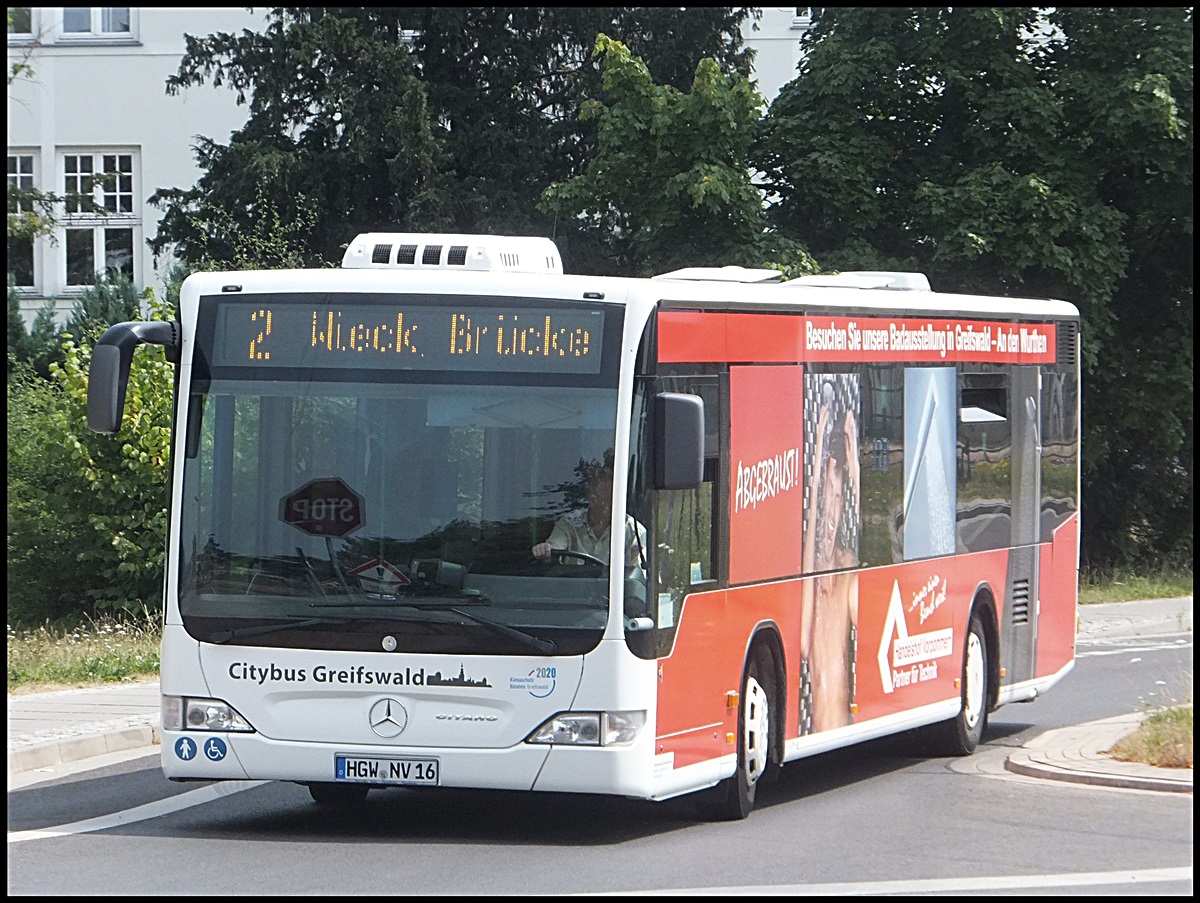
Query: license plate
point(373, 770)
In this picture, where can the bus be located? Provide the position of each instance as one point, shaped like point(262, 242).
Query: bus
point(830, 509)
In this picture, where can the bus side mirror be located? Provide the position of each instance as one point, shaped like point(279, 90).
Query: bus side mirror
point(679, 445)
point(108, 375)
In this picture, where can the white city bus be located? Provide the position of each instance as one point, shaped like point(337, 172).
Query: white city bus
point(842, 507)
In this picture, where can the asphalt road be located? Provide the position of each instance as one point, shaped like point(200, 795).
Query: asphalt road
point(878, 818)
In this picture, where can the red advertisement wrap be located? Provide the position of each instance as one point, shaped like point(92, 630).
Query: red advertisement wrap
point(766, 508)
point(1058, 583)
point(693, 717)
point(907, 651)
point(695, 720)
point(911, 623)
point(701, 337)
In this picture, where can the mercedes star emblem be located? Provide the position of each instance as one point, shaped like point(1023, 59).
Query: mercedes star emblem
point(388, 718)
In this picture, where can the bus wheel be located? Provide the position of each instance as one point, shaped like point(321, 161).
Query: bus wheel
point(733, 798)
point(338, 796)
point(960, 735)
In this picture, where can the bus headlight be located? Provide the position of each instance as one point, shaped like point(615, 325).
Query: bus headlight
point(189, 714)
point(590, 729)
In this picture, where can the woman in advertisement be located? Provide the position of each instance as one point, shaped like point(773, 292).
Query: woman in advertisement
point(829, 616)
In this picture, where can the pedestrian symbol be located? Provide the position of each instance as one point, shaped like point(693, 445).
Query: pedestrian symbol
point(185, 748)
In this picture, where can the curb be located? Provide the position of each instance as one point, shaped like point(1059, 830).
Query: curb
point(76, 749)
point(1024, 765)
point(1079, 755)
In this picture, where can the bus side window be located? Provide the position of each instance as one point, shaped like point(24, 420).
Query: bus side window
point(984, 461)
point(1060, 448)
point(681, 524)
point(881, 463)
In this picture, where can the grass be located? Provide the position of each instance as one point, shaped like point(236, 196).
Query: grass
point(1164, 738)
point(97, 651)
point(1116, 585)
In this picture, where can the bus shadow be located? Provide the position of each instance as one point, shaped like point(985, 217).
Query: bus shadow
point(838, 769)
point(281, 811)
point(285, 812)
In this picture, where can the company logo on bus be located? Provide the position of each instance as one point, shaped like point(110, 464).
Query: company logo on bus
point(388, 718)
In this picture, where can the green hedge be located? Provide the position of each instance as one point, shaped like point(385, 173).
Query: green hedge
point(86, 513)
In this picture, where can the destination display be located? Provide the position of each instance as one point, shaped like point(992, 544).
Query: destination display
point(385, 336)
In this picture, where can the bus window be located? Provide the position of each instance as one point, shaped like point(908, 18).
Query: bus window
point(833, 402)
point(680, 525)
point(929, 447)
point(881, 463)
point(984, 462)
point(1060, 449)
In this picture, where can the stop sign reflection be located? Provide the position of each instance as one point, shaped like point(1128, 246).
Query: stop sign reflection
point(323, 508)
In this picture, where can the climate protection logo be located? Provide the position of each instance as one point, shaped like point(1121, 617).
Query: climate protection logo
point(538, 683)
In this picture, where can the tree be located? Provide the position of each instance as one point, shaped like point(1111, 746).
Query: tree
point(92, 506)
point(337, 124)
point(1126, 79)
point(1019, 151)
point(410, 118)
point(36, 346)
point(669, 185)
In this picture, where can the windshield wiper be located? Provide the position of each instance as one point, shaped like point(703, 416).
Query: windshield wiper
point(426, 602)
point(546, 647)
point(224, 636)
point(451, 604)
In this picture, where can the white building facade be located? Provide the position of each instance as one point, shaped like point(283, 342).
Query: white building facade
point(775, 39)
point(94, 101)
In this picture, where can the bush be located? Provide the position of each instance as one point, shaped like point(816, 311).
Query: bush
point(112, 299)
point(37, 346)
point(87, 513)
point(41, 555)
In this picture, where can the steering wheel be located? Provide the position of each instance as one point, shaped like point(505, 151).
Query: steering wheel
point(582, 556)
point(556, 564)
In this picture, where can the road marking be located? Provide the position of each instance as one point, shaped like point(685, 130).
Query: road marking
point(140, 813)
point(1130, 645)
point(937, 885)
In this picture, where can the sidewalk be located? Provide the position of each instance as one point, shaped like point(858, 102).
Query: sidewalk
point(47, 731)
point(1076, 754)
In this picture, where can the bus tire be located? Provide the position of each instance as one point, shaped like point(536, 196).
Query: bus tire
point(338, 796)
point(733, 798)
point(961, 734)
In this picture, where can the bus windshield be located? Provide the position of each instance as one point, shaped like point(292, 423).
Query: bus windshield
point(355, 510)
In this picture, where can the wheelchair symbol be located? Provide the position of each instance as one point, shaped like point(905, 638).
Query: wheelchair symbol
point(214, 749)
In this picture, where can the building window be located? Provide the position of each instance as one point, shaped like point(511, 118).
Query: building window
point(101, 216)
point(20, 177)
point(20, 21)
point(20, 250)
point(20, 261)
point(80, 182)
point(106, 179)
point(803, 17)
point(117, 189)
point(112, 246)
point(98, 22)
point(96, 19)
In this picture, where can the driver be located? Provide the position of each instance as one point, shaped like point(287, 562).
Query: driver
point(587, 530)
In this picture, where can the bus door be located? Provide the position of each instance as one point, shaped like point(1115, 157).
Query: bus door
point(1019, 630)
